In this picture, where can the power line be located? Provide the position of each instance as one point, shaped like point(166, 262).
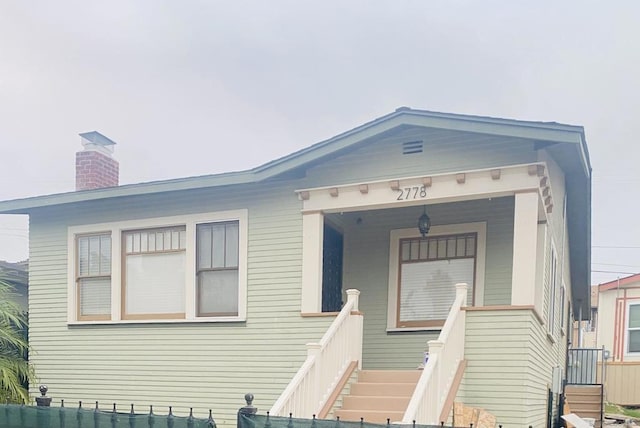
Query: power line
point(613, 271)
point(616, 246)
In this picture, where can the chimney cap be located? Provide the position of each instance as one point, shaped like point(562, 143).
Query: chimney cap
point(97, 138)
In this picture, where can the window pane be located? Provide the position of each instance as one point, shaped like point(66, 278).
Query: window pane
point(83, 256)
point(442, 248)
point(634, 316)
point(415, 250)
point(471, 246)
point(427, 289)
point(105, 255)
point(155, 283)
point(433, 249)
point(144, 242)
point(217, 232)
point(204, 246)
point(95, 296)
point(405, 250)
point(634, 341)
point(461, 246)
point(94, 255)
point(232, 245)
point(424, 249)
point(218, 293)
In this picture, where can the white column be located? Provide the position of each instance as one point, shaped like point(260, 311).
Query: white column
point(525, 236)
point(312, 236)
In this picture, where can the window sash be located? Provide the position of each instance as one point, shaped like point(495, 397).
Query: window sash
point(633, 329)
point(93, 276)
point(217, 255)
point(154, 266)
point(422, 260)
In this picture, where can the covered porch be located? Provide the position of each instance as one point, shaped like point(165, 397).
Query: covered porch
point(487, 230)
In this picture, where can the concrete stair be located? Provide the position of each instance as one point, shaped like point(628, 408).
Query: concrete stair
point(379, 395)
point(585, 401)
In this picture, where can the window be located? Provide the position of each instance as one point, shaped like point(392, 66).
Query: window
point(217, 269)
point(429, 269)
point(423, 273)
point(93, 276)
point(633, 332)
point(154, 273)
point(553, 285)
point(166, 269)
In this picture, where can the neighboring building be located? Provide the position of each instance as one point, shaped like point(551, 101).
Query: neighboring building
point(17, 275)
point(618, 331)
point(584, 332)
point(195, 291)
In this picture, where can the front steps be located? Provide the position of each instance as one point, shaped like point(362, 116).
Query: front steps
point(585, 401)
point(379, 395)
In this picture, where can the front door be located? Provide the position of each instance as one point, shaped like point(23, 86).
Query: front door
point(332, 270)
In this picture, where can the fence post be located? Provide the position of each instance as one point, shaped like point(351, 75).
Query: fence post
point(249, 411)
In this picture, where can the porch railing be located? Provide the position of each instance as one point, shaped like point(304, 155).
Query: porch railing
point(326, 363)
point(445, 354)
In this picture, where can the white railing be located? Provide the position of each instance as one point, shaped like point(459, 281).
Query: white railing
point(325, 365)
point(445, 354)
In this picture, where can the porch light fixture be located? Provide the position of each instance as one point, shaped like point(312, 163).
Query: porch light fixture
point(424, 223)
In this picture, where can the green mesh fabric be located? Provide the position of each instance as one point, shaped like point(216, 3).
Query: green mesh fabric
point(14, 416)
point(262, 421)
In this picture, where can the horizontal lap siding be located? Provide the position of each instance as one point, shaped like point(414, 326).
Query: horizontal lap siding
point(444, 151)
point(509, 365)
point(183, 365)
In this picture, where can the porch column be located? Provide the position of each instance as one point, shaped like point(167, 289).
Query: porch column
point(312, 237)
point(525, 237)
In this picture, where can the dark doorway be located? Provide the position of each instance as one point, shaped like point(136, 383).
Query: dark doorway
point(332, 270)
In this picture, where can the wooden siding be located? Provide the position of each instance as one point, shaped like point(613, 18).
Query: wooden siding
point(367, 269)
point(622, 383)
point(210, 365)
point(509, 365)
point(444, 151)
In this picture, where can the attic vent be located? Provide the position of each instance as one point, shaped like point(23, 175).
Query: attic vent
point(411, 147)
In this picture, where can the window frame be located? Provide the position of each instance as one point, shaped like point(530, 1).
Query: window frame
point(627, 329)
point(78, 277)
point(117, 230)
point(395, 238)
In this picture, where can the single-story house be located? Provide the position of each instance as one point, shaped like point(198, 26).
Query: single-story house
point(311, 277)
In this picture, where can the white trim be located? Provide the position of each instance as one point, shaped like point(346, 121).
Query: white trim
point(190, 222)
point(480, 228)
point(626, 330)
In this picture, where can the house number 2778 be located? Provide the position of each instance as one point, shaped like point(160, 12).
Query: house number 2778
point(414, 192)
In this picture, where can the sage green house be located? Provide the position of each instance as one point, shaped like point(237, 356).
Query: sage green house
point(192, 292)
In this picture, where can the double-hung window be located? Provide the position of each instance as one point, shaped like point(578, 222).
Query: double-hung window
point(93, 276)
point(164, 269)
point(423, 273)
point(633, 329)
point(154, 273)
point(429, 269)
point(217, 269)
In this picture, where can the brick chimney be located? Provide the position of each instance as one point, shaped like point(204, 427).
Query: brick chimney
point(95, 166)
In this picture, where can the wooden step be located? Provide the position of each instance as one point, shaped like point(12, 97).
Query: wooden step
point(371, 416)
point(389, 376)
point(354, 402)
point(379, 395)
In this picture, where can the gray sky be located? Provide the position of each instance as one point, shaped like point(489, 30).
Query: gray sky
point(197, 87)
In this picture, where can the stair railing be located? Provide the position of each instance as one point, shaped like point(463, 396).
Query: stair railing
point(326, 363)
point(445, 354)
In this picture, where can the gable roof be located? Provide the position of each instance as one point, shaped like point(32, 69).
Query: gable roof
point(570, 152)
point(625, 282)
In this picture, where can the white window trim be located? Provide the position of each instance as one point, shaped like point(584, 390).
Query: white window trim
point(190, 222)
point(626, 331)
point(480, 228)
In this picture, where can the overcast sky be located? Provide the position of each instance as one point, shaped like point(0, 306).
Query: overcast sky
point(197, 87)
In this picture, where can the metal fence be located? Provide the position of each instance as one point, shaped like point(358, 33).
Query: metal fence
point(16, 416)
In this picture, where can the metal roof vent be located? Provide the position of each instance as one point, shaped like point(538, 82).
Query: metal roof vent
point(412, 147)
